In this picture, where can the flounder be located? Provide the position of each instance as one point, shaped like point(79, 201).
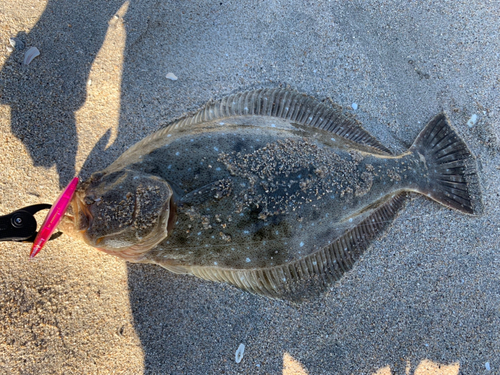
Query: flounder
point(268, 190)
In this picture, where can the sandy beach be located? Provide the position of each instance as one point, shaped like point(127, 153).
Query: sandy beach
point(424, 300)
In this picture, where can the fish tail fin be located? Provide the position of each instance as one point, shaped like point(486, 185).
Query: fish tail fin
point(452, 172)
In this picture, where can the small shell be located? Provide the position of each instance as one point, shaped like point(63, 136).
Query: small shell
point(239, 353)
point(31, 53)
point(472, 121)
point(172, 76)
point(16, 43)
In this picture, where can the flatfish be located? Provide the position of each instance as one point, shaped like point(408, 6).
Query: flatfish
point(271, 191)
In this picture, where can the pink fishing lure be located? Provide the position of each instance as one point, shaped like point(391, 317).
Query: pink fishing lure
point(54, 217)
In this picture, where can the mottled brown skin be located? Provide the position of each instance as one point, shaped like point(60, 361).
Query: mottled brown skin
point(246, 196)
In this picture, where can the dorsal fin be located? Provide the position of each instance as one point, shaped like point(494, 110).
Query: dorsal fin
point(311, 275)
point(295, 107)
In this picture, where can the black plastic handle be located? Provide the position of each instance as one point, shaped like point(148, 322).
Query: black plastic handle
point(20, 225)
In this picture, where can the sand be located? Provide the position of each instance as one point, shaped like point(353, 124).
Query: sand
point(424, 300)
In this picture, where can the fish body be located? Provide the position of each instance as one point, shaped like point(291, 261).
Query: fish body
point(268, 190)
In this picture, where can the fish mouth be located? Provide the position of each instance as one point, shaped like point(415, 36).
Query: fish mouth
point(84, 216)
point(76, 219)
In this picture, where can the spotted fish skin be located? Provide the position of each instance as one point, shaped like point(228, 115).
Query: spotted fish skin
point(271, 199)
point(268, 190)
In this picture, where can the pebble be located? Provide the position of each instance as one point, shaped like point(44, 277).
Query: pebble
point(31, 53)
point(487, 365)
point(239, 353)
point(172, 76)
point(472, 121)
point(354, 106)
point(16, 43)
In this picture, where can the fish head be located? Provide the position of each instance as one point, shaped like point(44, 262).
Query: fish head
point(125, 213)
